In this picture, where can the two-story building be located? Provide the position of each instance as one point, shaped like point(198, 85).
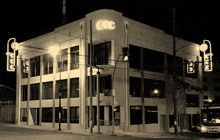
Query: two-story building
point(38, 86)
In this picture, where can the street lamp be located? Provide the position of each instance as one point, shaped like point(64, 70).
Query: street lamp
point(55, 51)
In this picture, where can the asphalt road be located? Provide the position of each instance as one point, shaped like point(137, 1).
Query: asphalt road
point(17, 133)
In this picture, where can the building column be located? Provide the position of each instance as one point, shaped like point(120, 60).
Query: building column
point(54, 89)
point(106, 115)
point(68, 88)
point(41, 88)
point(28, 93)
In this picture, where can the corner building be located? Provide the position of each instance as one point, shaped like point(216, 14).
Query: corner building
point(37, 97)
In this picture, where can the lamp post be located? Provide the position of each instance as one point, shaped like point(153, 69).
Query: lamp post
point(55, 52)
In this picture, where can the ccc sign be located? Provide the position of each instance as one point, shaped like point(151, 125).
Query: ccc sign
point(105, 24)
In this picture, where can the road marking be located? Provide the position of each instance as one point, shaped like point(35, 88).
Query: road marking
point(9, 132)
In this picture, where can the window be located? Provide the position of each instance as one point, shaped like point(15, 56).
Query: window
point(74, 51)
point(63, 61)
point(135, 115)
point(192, 100)
point(61, 86)
point(102, 53)
point(151, 114)
point(35, 66)
point(154, 88)
point(34, 92)
point(105, 85)
point(134, 57)
point(74, 114)
point(135, 87)
point(23, 115)
point(217, 88)
point(74, 87)
point(25, 68)
point(47, 92)
point(24, 93)
point(47, 114)
point(48, 64)
point(63, 114)
point(153, 60)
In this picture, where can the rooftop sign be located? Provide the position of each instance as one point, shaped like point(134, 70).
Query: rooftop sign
point(105, 24)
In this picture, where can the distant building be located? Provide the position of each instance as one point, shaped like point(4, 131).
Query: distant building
point(37, 94)
point(7, 104)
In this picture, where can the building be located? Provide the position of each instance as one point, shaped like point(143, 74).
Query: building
point(37, 85)
point(211, 84)
point(7, 104)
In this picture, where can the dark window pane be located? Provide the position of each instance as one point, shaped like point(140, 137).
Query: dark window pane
point(153, 60)
point(151, 114)
point(135, 115)
point(47, 114)
point(192, 100)
point(74, 88)
point(134, 57)
point(47, 91)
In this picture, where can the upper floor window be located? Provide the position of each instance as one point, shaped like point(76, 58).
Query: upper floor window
point(34, 92)
point(25, 68)
point(153, 60)
point(152, 88)
point(134, 57)
point(47, 92)
point(62, 60)
point(24, 93)
point(35, 66)
point(74, 87)
point(61, 88)
point(48, 64)
point(74, 51)
point(102, 54)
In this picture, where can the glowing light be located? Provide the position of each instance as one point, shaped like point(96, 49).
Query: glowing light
point(105, 24)
point(203, 47)
point(54, 50)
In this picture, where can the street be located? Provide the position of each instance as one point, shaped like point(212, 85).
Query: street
point(17, 133)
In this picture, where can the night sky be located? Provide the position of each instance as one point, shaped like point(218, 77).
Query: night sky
point(196, 20)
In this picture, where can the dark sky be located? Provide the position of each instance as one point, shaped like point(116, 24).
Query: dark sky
point(195, 19)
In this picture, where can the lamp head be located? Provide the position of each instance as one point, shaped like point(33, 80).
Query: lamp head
point(203, 47)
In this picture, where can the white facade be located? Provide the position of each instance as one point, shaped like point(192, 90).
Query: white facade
point(122, 33)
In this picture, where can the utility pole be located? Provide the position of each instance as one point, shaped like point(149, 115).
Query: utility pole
point(142, 90)
point(174, 74)
point(90, 80)
point(64, 12)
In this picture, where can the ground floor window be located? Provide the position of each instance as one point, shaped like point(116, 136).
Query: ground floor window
point(23, 115)
point(151, 114)
point(74, 114)
point(47, 114)
point(135, 115)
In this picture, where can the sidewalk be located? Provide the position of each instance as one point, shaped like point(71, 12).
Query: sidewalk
point(87, 132)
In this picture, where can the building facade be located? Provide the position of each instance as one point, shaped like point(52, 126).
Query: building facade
point(150, 54)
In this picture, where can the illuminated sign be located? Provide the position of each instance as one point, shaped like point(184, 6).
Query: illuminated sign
point(190, 67)
point(105, 24)
point(208, 62)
